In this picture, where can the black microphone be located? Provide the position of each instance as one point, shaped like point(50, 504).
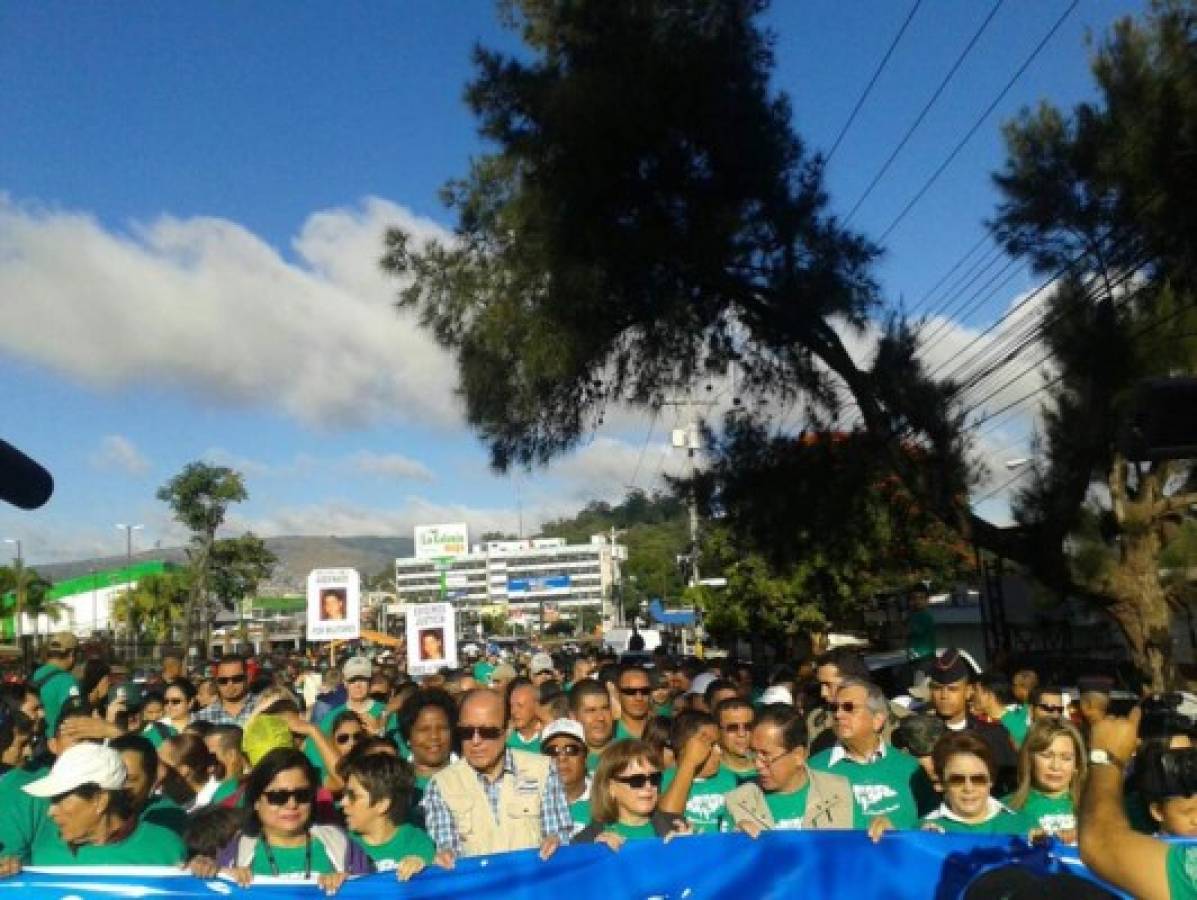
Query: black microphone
point(23, 482)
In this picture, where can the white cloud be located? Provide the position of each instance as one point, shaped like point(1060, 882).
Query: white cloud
point(389, 465)
point(205, 306)
point(604, 468)
point(118, 453)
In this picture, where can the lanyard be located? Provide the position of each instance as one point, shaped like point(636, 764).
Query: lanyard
point(307, 856)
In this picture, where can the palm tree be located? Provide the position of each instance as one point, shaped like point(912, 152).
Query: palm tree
point(152, 607)
point(38, 601)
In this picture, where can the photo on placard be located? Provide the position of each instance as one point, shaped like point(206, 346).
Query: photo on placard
point(334, 604)
point(432, 644)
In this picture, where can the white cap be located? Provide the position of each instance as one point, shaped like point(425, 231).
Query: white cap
point(80, 765)
point(778, 693)
point(357, 667)
point(700, 683)
point(558, 727)
point(541, 662)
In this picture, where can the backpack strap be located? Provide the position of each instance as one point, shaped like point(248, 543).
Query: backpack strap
point(335, 843)
point(245, 851)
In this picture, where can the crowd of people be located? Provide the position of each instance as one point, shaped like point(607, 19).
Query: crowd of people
point(252, 772)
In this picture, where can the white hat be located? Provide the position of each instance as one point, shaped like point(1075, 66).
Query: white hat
point(541, 662)
point(558, 727)
point(80, 765)
point(778, 693)
point(701, 682)
point(357, 667)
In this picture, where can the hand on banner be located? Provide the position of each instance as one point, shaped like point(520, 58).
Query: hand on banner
point(679, 829)
point(241, 875)
point(204, 867)
point(408, 867)
point(750, 828)
point(549, 846)
point(880, 826)
point(445, 858)
point(331, 882)
point(610, 839)
point(9, 866)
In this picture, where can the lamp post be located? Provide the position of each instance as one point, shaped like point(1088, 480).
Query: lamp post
point(20, 569)
point(129, 529)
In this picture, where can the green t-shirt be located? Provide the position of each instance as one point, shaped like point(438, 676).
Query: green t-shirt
point(882, 787)
point(55, 687)
point(516, 742)
point(920, 634)
point(1052, 814)
point(157, 732)
point(632, 832)
point(482, 671)
point(408, 840)
point(621, 731)
point(741, 776)
point(706, 807)
point(1181, 868)
point(148, 845)
point(291, 860)
point(579, 811)
point(165, 813)
point(25, 816)
point(665, 709)
point(592, 761)
point(326, 725)
point(1015, 721)
point(227, 788)
point(1002, 822)
point(788, 809)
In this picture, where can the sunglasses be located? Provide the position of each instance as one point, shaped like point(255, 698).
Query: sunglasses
point(638, 782)
point(562, 750)
point(302, 796)
point(847, 706)
point(737, 727)
point(231, 679)
point(1051, 708)
point(959, 780)
point(636, 691)
point(465, 733)
point(346, 737)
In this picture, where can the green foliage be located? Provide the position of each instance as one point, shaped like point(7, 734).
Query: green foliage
point(155, 606)
point(200, 496)
point(237, 566)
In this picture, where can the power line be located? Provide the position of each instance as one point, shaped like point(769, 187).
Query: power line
point(977, 124)
point(923, 113)
point(948, 274)
point(872, 81)
point(979, 298)
point(961, 284)
point(1001, 487)
point(640, 459)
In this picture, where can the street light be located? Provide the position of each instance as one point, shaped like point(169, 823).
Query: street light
point(20, 589)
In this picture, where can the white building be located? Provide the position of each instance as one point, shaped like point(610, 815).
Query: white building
point(527, 579)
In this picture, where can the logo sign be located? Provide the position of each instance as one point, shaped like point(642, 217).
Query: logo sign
point(551, 583)
point(431, 638)
point(334, 605)
point(432, 541)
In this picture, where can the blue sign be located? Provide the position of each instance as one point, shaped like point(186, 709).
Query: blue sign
point(910, 865)
point(544, 583)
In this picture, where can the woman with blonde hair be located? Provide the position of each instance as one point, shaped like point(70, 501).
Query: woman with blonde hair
point(624, 796)
point(1051, 773)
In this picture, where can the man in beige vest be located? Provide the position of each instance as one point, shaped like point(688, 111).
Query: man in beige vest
point(495, 798)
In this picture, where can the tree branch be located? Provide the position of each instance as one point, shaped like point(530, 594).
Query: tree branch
point(1118, 488)
point(1173, 504)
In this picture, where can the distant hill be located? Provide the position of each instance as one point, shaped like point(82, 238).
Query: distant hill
point(297, 556)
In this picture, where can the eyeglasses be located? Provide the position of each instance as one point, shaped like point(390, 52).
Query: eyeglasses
point(639, 782)
point(465, 733)
point(958, 779)
point(346, 736)
point(636, 691)
point(1051, 708)
point(847, 706)
point(302, 796)
point(737, 727)
point(562, 750)
point(231, 679)
point(768, 761)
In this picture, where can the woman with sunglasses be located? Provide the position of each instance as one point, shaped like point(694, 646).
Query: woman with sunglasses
point(1051, 772)
point(624, 796)
point(279, 838)
point(966, 769)
point(347, 732)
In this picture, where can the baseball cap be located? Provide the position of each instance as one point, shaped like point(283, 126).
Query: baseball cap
point(358, 667)
point(778, 693)
point(950, 667)
point(128, 693)
point(502, 672)
point(563, 727)
point(541, 662)
point(265, 733)
point(62, 642)
point(701, 682)
point(82, 764)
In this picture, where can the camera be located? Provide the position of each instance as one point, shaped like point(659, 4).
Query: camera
point(1168, 773)
point(1165, 715)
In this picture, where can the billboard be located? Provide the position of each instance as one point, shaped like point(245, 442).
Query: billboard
point(545, 583)
point(334, 605)
point(432, 541)
point(431, 638)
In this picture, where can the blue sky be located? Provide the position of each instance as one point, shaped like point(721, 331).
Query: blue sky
point(190, 202)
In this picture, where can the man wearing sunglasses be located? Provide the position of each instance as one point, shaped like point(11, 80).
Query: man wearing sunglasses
point(494, 799)
point(565, 744)
point(881, 777)
point(235, 703)
point(635, 702)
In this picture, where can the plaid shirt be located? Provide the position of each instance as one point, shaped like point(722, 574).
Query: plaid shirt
point(217, 716)
point(554, 809)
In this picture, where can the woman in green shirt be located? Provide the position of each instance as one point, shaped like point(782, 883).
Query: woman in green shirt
point(624, 797)
point(376, 803)
point(965, 767)
point(1051, 772)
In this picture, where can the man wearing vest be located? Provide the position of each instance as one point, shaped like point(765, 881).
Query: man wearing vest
point(54, 682)
point(494, 799)
point(881, 777)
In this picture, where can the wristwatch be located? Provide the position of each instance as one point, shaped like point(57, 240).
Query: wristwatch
point(1098, 757)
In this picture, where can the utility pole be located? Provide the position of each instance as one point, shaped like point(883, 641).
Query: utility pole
point(688, 438)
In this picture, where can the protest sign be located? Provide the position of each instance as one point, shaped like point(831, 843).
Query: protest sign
point(334, 605)
point(431, 638)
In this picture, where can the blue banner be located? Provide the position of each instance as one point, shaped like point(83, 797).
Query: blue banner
point(778, 864)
